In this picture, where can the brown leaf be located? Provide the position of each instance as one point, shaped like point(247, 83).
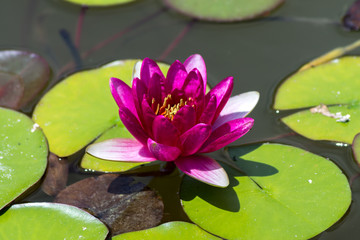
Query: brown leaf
point(351, 20)
point(56, 175)
point(121, 202)
point(11, 90)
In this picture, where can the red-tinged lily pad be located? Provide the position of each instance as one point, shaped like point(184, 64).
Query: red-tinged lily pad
point(56, 175)
point(218, 11)
point(22, 76)
point(23, 154)
point(351, 20)
point(11, 90)
point(121, 202)
point(170, 230)
point(330, 90)
point(275, 192)
point(81, 107)
point(49, 221)
point(99, 3)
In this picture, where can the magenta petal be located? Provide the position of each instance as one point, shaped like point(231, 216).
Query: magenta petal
point(204, 169)
point(154, 91)
point(194, 138)
point(148, 69)
point(163, 152)
point(196, 61)
point(122, 94)
point(175, 77)
point(222, 91)
point(227, 133)
point(139, 90)
point(193, 86)
point(185, 118)
point(121, 149)
point(133, 125)
point(208, 114)
point(148, 115)
point(237, 107)
point(164, 131)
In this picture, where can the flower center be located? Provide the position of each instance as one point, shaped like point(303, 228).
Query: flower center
point(169, 108)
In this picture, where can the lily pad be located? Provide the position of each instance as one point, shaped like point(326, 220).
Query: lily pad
point(27, 71)
point(23, 154)
point(275, 192)
point(81, 107)
point(100, 165)
point(333, 83)
point(170, 230)
point(123, 203)
point(99, 3)
point(49, 221)
point(216, 10)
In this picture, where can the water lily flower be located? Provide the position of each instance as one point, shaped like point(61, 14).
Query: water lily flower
point(173, 119)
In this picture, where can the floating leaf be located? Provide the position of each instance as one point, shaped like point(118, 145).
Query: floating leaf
point(56, 175)
point(121, 202)
point(23, 154)
point(283, 193)
point(11, 90)
point(351, 20)
point(336, 82)
point(216, 10)
point(26, 72)
point(81, 107)
point(356, 148)
point(99, 3)
point(101, 165)
point(170, 230)
point(49, 221)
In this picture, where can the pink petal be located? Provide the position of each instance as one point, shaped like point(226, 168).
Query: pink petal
point(148, 68)
point(237, 107)
point(204, 169)
point(227, 133)
point(196, 61)
point(121, 149)
point(122, 94)
point(136, 70)
point(175, 77)
point(184, 119)
point(193, 86)
point(165, 132)
point(208, 114)
point(154, 91)
point(163, 152)
point(222, 91)
point(139, 91)
point(133, 125)
point(148, 115)
point(194, 138)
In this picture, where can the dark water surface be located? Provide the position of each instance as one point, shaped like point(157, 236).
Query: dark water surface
point(259, 54)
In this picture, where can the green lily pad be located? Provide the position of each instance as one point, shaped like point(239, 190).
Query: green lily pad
point(216, 10)
point(81, 107)
point(49, 221)
point(356, 148)
point(283, 192)
point(23, 154)
point(100, 165)
point(333, 83)
point(99, 3)
point(170, 230)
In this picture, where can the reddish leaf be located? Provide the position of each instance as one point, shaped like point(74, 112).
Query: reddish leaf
point(11, 90)
point(121, 202)
point(351, 20)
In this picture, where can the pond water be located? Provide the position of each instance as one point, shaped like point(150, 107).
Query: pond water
point(259, 54)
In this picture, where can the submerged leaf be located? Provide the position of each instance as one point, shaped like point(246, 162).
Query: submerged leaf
point(121, 202)
point(49, 221)
point(22, 75)
point(351, 20)
point(275, 192)
point(216, 10)
point(23, 154)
